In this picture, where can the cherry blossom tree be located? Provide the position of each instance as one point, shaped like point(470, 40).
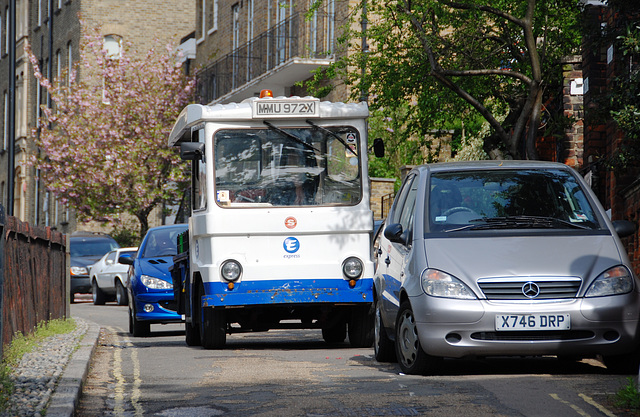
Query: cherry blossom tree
point(103, 144)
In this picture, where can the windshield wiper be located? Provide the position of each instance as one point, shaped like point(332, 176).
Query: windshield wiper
point(329, 132)
point(290, 136)
point(524, 221)
point(516, 222)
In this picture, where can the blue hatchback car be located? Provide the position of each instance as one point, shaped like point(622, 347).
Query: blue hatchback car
point(149, 286)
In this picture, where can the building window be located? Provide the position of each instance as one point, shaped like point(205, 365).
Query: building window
point(202, 13)
point(22, 18)
point(69, 62)
point(113, 46)
point(6, 36)
point(249, 20)
point(331, 12)
point(5, 129)
point(58, 65)
point(212, 15)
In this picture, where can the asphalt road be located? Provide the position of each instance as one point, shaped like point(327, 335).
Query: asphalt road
point(294, 373)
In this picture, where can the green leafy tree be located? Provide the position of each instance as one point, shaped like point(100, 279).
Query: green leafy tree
point(454, 61)
point(103, 143)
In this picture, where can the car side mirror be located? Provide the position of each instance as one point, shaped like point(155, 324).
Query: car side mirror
point(394, 233)
point(191, 151)
point(624, 228)
point(126, 260)
point(109, 262)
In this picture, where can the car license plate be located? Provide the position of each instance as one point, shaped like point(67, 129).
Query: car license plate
point(280, 108)
point(506, 322)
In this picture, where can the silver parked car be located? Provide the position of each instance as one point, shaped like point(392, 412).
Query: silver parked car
point(108, 277)
point(497, 258)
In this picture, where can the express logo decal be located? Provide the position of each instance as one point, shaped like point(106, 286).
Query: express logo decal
point(291, 245)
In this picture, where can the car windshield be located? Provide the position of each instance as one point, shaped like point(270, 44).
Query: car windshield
point(508, 199)
point(91, 247)
point(285, 167)
point(162, 242)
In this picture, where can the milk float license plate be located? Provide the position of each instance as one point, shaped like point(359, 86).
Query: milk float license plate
point(285, 108)
point(506, 322)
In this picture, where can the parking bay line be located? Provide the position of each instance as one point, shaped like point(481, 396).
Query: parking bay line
point(579, 410)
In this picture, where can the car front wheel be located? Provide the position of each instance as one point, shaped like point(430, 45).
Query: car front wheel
point(98, 296)
point(136, 327)
point(412, 358)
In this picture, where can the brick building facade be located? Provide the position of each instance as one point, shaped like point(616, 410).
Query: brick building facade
point(603, 62)
point(54, 34)
point(245, 46)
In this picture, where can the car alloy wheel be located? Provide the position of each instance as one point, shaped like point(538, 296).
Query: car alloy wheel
point(411, 357)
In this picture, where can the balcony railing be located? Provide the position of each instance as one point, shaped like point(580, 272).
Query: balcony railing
point(295, 37)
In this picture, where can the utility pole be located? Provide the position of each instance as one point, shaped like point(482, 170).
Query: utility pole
point(11, 128)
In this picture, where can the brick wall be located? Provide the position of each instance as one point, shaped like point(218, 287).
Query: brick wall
point(380, 187)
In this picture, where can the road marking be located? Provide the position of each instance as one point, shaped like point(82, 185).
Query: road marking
point(603, 410)
point(120, 382)
point(137, 381)
point(575, 407)
point(119, 409)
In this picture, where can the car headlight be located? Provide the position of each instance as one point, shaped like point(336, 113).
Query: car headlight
point(78, 270)
point(440, 284)
point(231, 270)
point(617, 280)
point(155, 283)
point(352, 268)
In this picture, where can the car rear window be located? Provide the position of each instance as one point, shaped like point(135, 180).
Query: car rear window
point(91, 246)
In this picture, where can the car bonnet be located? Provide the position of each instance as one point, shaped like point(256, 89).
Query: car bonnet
point(155, 267)
point(473, 258)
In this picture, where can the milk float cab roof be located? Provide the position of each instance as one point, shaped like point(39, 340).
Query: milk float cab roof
point(264, 108)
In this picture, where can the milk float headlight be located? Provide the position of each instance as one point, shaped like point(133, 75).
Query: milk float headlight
point(352, 268)
point(231, 270)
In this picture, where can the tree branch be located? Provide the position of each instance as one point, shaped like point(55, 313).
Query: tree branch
point(471, 73)
point(484, 8)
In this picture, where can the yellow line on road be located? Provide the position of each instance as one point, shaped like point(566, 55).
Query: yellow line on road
point(603, 410)
point(137, 381)
point(119, 409)
point(575, 407)
point(120, 382)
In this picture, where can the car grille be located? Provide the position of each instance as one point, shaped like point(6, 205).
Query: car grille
point(526, 336)
point(514, 288)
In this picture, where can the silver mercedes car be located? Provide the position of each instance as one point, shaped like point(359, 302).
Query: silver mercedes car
point(496, 258)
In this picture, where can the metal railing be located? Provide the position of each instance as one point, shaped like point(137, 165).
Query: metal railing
point(291, 38)
point(385, 202)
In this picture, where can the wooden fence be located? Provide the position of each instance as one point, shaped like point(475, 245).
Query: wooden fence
point(33, 276)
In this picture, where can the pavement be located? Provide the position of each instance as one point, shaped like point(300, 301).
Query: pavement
point(69, 388)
